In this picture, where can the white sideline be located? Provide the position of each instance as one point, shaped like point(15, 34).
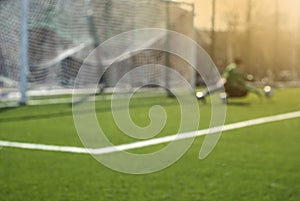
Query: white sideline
point(151, 142)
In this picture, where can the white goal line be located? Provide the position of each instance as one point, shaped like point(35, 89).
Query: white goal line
point(151, 142)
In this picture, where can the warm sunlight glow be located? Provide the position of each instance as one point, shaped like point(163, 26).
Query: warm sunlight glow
point(289, 12)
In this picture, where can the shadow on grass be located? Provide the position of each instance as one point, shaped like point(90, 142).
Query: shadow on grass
point(70, 113)
point(238, 103)
point(5, 109)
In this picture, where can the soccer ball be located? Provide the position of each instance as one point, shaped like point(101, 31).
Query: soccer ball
point(200, 95)
point(268, 91)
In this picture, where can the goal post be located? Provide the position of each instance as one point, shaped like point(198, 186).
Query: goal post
point(24, 52)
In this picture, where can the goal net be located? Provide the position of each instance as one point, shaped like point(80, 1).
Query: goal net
point(62, 33)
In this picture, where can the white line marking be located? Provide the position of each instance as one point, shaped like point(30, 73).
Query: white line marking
point(154, 141)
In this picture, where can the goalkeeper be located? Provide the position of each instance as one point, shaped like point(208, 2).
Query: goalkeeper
point(234, 82)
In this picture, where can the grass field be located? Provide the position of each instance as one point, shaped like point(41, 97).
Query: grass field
point(254, 163)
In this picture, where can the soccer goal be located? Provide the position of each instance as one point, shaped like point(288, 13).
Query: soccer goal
point(43, 49)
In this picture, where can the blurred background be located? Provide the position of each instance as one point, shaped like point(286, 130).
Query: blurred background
point(44, 44)
point(264, 33)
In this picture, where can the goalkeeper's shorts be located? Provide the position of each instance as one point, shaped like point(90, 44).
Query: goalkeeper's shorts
point(235, 90)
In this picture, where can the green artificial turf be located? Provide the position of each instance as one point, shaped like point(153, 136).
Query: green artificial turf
point(254, 163)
